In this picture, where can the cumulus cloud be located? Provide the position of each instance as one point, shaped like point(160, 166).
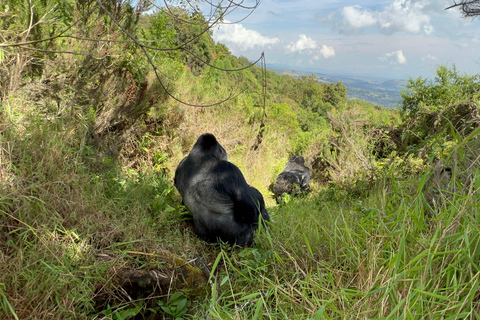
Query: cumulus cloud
point(405, 15)
point(395, 57)
point(411, 16)
point(303, 44)
point(355, 17)
point(307, 45)
point(244, 38)
point(326, 52)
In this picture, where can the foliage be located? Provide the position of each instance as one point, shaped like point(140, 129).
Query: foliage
point(284, 117)
point(177, 305)
point(401, 167)
point(448, 87)
point(159, 35)
point(194, 37)
point(380, 255)
point(433, 112)
point(89, 145)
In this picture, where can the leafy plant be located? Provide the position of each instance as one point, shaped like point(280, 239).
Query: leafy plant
point(434, 95)
point(6, 306)
point(177, 305)
point(123, 313)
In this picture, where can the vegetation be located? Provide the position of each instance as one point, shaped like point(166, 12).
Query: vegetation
point(89, 141)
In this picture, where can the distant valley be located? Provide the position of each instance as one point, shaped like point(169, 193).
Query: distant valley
point(383, 92)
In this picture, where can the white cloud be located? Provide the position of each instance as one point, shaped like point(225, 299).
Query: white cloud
point(395, 57)
point(429, 57)
point(428, 29)
point(405, 15)
point(307, 45)
point(357, 18)
point(303, 44)
point(326, 52)
point(412, 16)
point(239, 35)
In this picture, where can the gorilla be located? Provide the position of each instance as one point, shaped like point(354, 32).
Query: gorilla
point(223, 205)
point(294, 174)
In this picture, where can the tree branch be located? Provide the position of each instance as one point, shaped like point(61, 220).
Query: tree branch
point(155, 69)
point(469, 8)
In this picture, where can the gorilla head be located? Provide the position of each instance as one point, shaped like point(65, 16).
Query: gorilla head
point(294, 174)
point(224, 206)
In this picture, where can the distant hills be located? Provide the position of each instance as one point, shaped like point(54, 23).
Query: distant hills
point(383, 92)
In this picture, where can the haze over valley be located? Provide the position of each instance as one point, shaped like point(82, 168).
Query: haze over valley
point(381, 91)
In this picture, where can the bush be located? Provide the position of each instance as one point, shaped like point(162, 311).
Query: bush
point(448, 87)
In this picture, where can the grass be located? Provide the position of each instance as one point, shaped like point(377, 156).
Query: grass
point(325, 260)
point(70, 219)
point(386, 240)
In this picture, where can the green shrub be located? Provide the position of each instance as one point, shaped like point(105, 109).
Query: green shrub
point(448, 87)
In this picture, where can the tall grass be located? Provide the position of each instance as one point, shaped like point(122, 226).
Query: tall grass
point(398, 247)
point(403, 249)
point(337, 257)
point(68, 218)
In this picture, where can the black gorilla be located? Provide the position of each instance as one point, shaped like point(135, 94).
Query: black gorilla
point(294, 174)
point(224, 206)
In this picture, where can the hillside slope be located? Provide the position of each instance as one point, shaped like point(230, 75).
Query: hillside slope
point(378, 91)
point(91, 226)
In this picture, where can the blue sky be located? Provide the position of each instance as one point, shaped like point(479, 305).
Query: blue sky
point(393, 39)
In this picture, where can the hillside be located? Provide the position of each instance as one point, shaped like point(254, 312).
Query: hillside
point(94, 120)
point(383, 92)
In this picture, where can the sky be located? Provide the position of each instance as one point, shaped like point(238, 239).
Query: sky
point(392, 39)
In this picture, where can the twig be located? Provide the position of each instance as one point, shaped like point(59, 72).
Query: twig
point(46, 39)
point(155, 69)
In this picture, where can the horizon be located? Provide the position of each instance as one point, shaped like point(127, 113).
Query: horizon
point(339, 74)
point(392, 39)
point(375, 90)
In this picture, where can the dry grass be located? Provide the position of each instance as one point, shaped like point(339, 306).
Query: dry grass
point(332, 256)
point(72, 215)
point(237, 137)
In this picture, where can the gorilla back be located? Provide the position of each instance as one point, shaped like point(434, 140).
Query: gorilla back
point(224, 206)
point(294, 174)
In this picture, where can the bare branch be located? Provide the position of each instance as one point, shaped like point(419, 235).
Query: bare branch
point(218, 9)
point(167, 49)
point(55, 51)
point(155, 69)
point(222, 69)
point(23, 45)
point(468, 8)
point(17, 44)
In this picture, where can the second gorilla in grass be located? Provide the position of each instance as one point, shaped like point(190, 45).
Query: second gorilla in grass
point(294, 179)
point(224, 206)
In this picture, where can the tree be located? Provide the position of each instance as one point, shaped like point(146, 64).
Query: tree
point(114, 59)
point(448, 86)
point(469, 8)
point(44, 27)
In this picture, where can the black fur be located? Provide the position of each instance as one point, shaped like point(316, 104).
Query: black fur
point(224, 206)
point(294, 174)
